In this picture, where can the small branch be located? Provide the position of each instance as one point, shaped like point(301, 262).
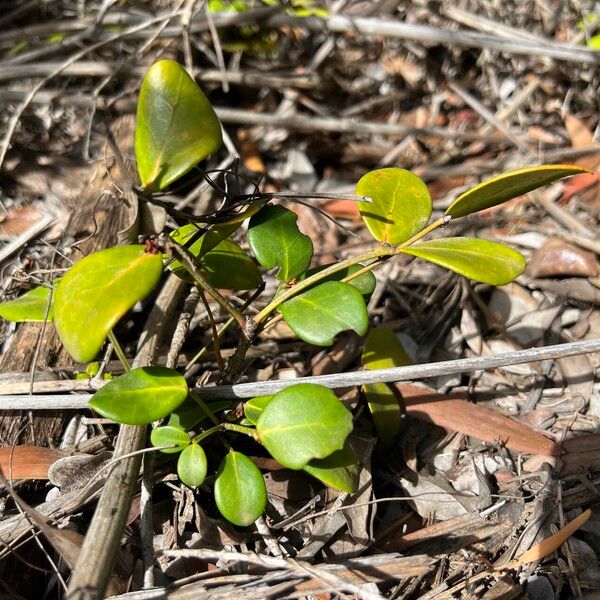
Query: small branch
point(337, 380)
point(119, 351)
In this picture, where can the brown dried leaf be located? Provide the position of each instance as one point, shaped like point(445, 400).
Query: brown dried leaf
point(557, 258)
point(451, 412)
point(28, 462)
point(579, 133)
point(552, 543)
point(19, 220)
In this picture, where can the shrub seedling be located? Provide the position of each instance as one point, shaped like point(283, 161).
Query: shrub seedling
point(304, 426)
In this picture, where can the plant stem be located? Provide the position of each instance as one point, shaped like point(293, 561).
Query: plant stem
point(188, 262)
point(241, 429)
point(377, 254)
point(201, 436)
point(118, 350)
point(209, 413)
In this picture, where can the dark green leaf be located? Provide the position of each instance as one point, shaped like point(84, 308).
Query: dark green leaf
point(191, 466)
point(303, 422)
point(170, 436)
point(481, 260)
point(189, 414)
point(31, 306)
point(176, 125)
point(509, 185)
point(319, 314)
point(141, 396)
point(228, 267)
point(240, 491)
point(339, 470)
point(384, 351)
point(400, 207)
point(254, 408)
point(97, 291)
point(276, 241)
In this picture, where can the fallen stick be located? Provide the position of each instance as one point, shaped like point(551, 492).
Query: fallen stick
point(335, 380)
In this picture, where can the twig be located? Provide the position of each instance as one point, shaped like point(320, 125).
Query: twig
point(337, 380)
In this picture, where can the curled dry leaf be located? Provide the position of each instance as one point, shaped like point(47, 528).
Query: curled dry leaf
point(451, 412)
point(552, 543)
point(556, 258)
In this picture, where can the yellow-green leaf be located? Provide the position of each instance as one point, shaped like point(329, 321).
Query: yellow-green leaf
point(338, 470)
point(400, 207)
point(97, 291)
point(384, 351)
point(31, 306)
point(509, 185)
point(176, 125)
point(481, 260)
point(191, 466)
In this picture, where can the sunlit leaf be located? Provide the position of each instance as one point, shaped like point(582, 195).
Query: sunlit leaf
point(254, 408)
point(141, 396)
point(364, 283)
point(168, 435)
point(191, 466)
point(319, 314)
point(400, 207)
point(481, 260)
point(338, 470)
point(509, 185)
point(276, 241)
point(97, 291)
point(176, 125)
point(384, 351)
point(240, 492)
point(303, 422)
point(31, 306)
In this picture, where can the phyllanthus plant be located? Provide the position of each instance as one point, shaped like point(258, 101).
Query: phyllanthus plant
point(304, 426)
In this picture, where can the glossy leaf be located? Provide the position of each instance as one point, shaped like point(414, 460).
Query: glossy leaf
point(203, 244)
point(364, 283)
point(303, 422)
point(240, 492)
point(509, 185)
point(168, 435)
point(276, 241)
point(319, 314)
point(481, 260)
point(338, 470)
point(176, 125)
point(141, 396)
point(383, 351)
point(97, 291)
point(31, 306)
point(189, 414)
point(228, 267)
point(400, 206)
point(191, 466)
point(254, 408)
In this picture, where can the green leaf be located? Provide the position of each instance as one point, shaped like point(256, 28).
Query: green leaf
point(170, 436)
point(176, 125)
point(383, 351)
point(364, 283)
point(338, 470)
point(141, 396)
point(400, 207)
point(189, 414)
point(97, 291)
point(31, 306)
point(228, 267)
point(276, 241)
point(303, 422)
point(385, 409)
point(254, 408)
point(191, 466)
point(319, 314)
point(240, 492)
point(205, 243)
point(481, 260)
point(509, 185)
